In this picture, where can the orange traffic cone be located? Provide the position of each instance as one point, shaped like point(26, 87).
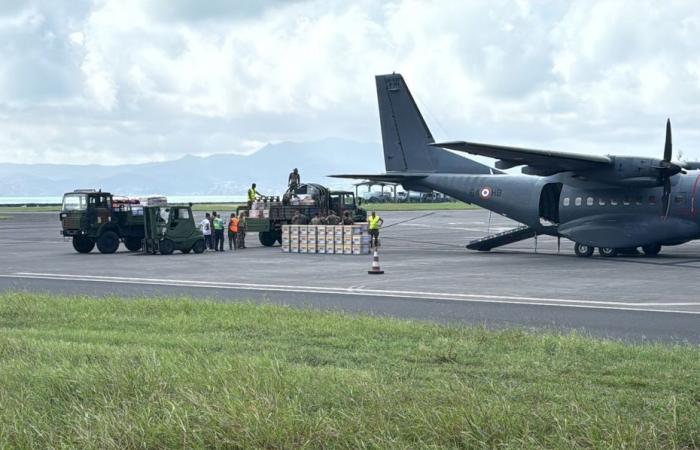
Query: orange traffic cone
point(375, 265)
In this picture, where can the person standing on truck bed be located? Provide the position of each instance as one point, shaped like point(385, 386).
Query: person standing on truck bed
point(233, 232)
point(332, 218)
point(218, 233)
point(205, 226)
point(294, 180)
point(374, 223)
point(252, 195)
point(347, 220)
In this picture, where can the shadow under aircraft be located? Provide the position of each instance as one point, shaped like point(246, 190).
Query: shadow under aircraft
point(613, 203)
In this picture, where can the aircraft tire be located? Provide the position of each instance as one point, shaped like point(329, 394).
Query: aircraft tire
point(83, 244)
point(582, 250)
point(651, 250)
point(108, 242)
point(608, 252)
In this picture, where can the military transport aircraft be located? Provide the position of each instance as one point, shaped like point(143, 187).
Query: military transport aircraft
point(614, 203)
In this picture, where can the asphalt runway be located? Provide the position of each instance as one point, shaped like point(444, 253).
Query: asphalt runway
point(429, 276)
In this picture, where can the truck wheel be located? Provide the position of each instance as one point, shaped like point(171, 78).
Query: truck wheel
point(83, 244)
point(267, 238)
point(167, 247)
point(108, 242)
point(133, 244)
point(199, 247)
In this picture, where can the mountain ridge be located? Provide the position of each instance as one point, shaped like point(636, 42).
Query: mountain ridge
point(216, 174)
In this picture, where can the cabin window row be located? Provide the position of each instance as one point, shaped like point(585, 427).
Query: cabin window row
point(612, 201)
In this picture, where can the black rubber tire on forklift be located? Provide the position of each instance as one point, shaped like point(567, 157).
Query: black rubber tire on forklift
point(167, 247)
point(582, 250)
point(268, 238)
point(652, 249)
point(83, 244)
point(199, 246)
point(108, 242)
point(608, 252)
point(132, 244)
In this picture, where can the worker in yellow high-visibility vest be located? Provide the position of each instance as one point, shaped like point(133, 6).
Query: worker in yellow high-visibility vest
point(374, 223)
point(252, 195)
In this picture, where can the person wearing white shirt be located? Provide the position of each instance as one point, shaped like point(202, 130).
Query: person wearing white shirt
point(205, 226)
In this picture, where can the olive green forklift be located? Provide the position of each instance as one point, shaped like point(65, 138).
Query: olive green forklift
point(170, 228)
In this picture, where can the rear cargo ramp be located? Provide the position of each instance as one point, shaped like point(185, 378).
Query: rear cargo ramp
point(491, 241)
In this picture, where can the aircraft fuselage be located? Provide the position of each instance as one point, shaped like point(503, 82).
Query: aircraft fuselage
point(593, 214)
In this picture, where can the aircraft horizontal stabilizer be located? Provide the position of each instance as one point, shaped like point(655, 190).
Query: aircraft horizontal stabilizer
point(545, 162)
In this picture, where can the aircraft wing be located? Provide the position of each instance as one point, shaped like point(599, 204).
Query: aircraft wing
point(539, 162)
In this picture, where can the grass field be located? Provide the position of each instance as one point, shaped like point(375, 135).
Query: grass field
point(86, 373)
point(16, 209)
point(418, 206)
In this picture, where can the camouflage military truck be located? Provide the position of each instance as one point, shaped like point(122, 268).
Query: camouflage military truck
point(267, 216)
point(92, 218)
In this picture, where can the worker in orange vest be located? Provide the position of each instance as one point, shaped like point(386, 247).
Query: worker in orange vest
point(233, 232)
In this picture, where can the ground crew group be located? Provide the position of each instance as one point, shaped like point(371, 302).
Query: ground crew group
point(212, 227)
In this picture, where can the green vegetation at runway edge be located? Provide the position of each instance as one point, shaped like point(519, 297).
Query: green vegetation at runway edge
point(417, 206)
point(16, 209)
point(115, 373)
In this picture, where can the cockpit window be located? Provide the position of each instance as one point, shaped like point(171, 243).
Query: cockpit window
point(74, 202)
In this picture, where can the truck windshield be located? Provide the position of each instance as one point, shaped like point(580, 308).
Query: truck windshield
point(74, 202)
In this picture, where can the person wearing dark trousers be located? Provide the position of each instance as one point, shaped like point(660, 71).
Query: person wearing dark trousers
point(205, 226)
point(218, 233)
point(233, 232)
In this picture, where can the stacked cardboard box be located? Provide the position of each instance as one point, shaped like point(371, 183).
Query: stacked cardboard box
point(328, 239)
point(312, 238)
point(286, 238)
point(338, 239)
point(294, 238)
point(303, 239)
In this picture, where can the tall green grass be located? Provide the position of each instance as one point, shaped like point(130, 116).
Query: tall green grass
point(87, 373)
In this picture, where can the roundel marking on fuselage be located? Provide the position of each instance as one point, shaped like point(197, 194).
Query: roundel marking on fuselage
point(485, 192)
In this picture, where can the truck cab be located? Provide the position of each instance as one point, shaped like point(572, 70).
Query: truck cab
point(91, 217)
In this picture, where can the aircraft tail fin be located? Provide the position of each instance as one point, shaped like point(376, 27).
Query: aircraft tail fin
point(406, 137)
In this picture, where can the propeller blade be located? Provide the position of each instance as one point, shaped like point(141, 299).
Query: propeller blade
point(668, 147)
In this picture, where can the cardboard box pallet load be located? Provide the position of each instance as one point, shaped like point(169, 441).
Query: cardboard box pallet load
point(327, 239)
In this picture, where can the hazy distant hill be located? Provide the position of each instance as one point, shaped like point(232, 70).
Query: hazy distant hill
point(223, 174)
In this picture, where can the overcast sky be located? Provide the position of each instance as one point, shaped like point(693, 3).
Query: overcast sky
point(113, 81)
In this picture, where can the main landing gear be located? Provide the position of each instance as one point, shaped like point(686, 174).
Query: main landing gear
point(610, 252)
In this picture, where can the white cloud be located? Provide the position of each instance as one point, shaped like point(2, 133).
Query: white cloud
point(131, 80)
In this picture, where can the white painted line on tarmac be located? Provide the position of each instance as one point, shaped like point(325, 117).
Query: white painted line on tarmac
point(483, 298)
